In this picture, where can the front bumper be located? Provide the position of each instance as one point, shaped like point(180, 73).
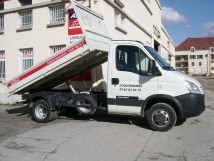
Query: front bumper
point(192, 104)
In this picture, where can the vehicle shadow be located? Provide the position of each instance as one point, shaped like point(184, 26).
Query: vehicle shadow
point(20, 111)
point(103, 116)
point(99, 116)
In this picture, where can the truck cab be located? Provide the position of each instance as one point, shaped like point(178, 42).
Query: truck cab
point(140, 82)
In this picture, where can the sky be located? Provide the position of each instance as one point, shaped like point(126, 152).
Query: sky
point(188, 18)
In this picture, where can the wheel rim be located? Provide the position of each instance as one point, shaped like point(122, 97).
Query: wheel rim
point(161, 118)
point(86, 108)
point(41, 111)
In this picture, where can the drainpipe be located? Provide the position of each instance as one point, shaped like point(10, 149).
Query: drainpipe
point(208, 65)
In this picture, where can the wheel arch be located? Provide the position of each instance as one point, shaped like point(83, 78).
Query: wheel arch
point(160, 98)
point(44, 97)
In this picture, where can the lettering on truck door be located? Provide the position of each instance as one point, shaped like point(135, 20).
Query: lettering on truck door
point(130, 84)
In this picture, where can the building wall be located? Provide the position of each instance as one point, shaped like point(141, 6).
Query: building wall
point(194, 66)
point(188, 62)
point(130, 31)
point(140, 18)
point(40, 37)
point(168, 48)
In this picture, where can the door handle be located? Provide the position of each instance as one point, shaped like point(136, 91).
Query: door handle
point(115, 81)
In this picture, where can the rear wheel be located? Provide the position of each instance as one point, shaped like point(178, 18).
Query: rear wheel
point(85, 104)
point(161, 117)
point(41, 112)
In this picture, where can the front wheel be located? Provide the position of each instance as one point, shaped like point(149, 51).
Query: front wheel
point(161, 117)
point(41, 112)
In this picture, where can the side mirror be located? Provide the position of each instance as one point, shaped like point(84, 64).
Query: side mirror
point(151, 67)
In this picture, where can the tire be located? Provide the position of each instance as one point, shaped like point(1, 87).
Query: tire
point(41, 112)
point(161, 117)
point(180, 121)
point(85, 104)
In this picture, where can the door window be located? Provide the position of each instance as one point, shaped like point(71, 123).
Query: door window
point(131, 59)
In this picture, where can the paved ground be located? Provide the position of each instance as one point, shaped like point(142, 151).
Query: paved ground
point(105, 138)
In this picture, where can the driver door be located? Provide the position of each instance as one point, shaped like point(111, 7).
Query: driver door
point(130, 83)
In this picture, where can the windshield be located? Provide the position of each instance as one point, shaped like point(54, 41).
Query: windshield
point(159, 59)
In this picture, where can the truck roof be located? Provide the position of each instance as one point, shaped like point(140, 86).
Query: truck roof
point(130, 40)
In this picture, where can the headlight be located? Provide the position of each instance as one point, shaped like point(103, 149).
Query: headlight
point(192, 87)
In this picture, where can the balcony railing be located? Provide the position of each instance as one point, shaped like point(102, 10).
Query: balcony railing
point(181, 60)
point(182, 67)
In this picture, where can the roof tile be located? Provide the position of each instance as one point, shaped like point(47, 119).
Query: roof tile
point(203, 43)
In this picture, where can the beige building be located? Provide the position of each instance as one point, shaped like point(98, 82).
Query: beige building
point(195, 56)
point(33, 30)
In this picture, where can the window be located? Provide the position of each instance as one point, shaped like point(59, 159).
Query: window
point(177, 65)
point(199, 56)
point(168, 44)
point(1, 6)
point(177, 58)
point(131, 59)
point(123, 19)
point(169, 57)
point(193, 63)
point(192, 49)
point(192, 56)
point(212, 57)
point(25, 2)
point(1, 23)
point(26, 58)
point(117, 19)
point(55, 49)
point(212, 49)
point(199, 63)
point(120, 22)
point(2, 64)
point(57, 14)
point(25, 19)
point(192, 70)
point(1, 17)
point(156, 31)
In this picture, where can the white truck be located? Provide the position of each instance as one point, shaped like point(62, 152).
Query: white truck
point(139, 81)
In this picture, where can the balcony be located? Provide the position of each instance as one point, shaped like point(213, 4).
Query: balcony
point(183, 70)
point(182, 65)
point(212, 57)
point(181, 60)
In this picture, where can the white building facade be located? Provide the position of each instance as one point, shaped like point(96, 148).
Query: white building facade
point(33, 30)
point(195, 56)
